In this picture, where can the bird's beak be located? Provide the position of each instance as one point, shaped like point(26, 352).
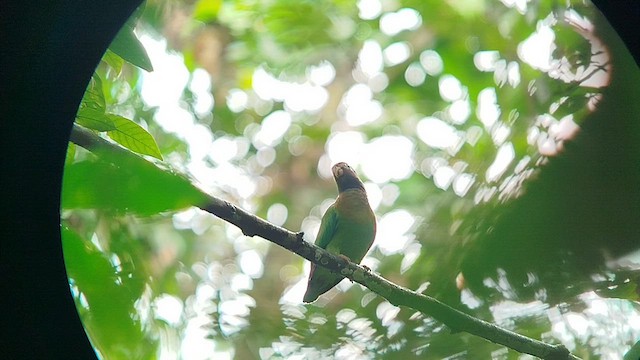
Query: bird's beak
point(337, 171)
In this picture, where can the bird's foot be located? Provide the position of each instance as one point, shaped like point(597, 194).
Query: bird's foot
point(368, 269)
point(300, 236)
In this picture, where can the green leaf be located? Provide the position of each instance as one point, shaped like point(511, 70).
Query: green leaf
point(571, 105)
point(93, 96)
point(94, 119)
point(633, 353)
point(572, 45)
point(91, 113)
point(108, 296)
point(207, 10)
point(71, 153)
point(127, 46)
point(624, 291)
point(134, 185)
point(114, 61)
point(133, 136)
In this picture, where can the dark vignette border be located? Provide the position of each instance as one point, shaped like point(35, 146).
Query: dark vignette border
point(49, 50)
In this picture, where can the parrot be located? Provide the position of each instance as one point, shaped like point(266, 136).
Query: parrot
point(347, 229)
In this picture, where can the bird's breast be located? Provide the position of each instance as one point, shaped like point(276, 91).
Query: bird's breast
point(352, 205)
point(356, 227)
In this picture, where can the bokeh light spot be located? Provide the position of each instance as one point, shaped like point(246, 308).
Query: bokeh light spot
point(431, 62)
point(277, 214)
point(450, 88)
point(392, 23)
point(396, 53)
point(388, 158)
point(436, 133)
point(504, 157)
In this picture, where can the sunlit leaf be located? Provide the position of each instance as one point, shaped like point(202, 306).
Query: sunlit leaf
point(135, 185)
point(95, 119)
point(113, 60)
point(207, 10)
point(133, 136)
point(298, 24)
point(93, 96)
point(91, 113)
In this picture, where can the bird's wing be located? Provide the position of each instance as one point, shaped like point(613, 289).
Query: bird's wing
point(327, 227)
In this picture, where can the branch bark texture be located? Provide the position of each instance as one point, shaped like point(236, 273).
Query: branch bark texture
point(251, 225)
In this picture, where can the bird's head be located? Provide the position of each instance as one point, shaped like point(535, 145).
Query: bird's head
point(346, 177)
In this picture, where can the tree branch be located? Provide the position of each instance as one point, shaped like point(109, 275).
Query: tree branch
point(252, 225)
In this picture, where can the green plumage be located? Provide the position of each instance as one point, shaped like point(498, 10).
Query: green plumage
point(348, 228)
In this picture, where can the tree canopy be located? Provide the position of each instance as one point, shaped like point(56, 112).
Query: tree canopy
point(498, 142)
